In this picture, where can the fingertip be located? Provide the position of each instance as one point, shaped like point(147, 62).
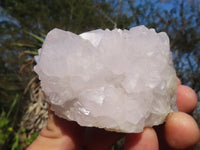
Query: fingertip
point(178, 81)
point(186, 99)
point(147, 140)
point(181, 130)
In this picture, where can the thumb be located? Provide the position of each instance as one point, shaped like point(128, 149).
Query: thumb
point(59, 134)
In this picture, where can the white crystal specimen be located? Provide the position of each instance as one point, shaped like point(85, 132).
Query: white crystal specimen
point(120, 80)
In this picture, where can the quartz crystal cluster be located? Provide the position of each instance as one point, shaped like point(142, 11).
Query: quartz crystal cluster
point(119, 80)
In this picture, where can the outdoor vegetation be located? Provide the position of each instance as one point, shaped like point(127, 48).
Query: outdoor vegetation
point(25, 23)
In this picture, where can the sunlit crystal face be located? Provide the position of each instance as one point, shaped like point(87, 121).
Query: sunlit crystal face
point(120, 80)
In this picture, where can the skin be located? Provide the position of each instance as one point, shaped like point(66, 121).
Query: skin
point(180, 131)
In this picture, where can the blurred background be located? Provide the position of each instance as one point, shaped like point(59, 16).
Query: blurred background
point(25, 23)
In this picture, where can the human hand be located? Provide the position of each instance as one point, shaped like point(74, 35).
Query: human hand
point(180, 131)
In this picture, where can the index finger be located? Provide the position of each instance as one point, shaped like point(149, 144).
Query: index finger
point(186, 99)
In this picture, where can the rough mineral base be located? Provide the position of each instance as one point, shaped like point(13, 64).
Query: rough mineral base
point(119, 80)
